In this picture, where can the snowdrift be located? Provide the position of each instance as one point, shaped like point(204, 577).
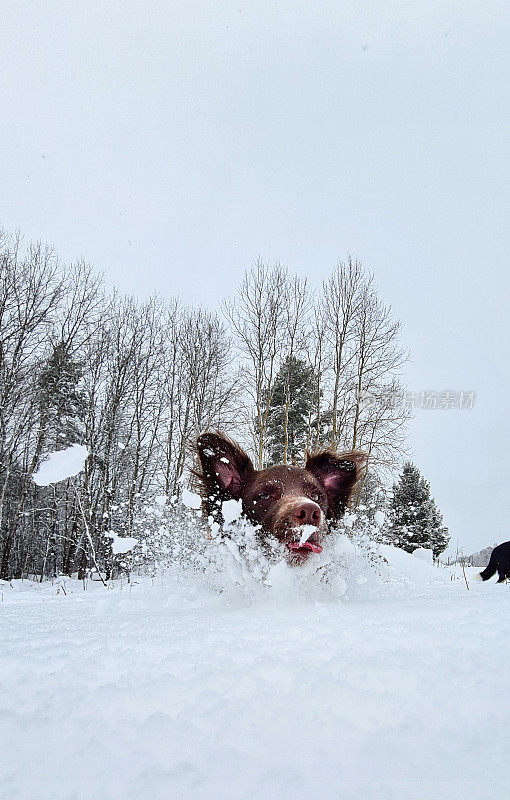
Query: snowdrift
point(412, 568)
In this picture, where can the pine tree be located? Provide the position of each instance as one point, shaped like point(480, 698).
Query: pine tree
point(61, 413)
point(61, 401)
point(439, 537)
point(414, 520)
point(293, 397)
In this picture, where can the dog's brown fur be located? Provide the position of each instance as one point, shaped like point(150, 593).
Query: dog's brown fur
point(282, 498)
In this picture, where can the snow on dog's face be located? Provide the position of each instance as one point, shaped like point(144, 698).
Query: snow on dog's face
point(288, 502)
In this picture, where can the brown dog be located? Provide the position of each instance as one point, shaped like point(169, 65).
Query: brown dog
point(279, 500)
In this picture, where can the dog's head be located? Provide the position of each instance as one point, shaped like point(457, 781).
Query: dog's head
point(290, 503)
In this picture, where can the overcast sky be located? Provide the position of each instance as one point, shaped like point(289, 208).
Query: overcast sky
point(172, 143)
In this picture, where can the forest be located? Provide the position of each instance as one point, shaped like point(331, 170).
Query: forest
point(281, 366)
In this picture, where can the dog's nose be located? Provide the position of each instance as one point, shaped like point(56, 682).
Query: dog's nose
point(307, 513)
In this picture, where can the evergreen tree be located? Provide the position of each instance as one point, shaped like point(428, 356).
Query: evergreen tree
point(439, 537)
point(414, 520)
point(61, 401)
point(294, 393)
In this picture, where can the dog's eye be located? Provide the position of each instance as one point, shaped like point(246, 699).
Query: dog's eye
point(264, 496)
point(315, 496)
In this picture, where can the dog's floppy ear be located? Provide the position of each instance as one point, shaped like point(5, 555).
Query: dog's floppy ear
point(225, 466)
point(338, 473)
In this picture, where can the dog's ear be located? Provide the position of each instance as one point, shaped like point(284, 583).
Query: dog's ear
point(338, 473)
point(226, 468)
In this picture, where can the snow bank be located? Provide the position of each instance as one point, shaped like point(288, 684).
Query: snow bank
point(60, 465)
point(425, 554)
point(412, 568)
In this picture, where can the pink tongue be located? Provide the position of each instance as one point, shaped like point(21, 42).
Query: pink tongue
point(306, 546)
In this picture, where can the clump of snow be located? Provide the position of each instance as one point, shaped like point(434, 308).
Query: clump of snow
point(349, 519)
point(280, 579)
point(121, 544)
point(379, 518)
point(306, 532)
point(60, 465)
point(190, 499)
point(231, 510)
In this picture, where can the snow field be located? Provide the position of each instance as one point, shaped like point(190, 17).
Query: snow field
point(168, 689)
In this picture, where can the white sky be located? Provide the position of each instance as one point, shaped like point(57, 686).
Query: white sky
point(172, 143)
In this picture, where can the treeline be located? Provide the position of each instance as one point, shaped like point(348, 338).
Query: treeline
point(136, 381)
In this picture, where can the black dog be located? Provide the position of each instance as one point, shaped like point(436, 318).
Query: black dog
point(499, 562)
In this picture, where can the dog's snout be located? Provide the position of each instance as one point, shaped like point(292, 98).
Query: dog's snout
point(307, 513)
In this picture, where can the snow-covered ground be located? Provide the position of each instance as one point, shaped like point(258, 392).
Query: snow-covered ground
point(171, 689)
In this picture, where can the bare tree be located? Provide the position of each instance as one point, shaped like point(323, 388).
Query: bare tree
point(258, 318)
point(30, 292)
point(377, 426)
point(316, 355)
point(202, 387)
point(340, 303)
